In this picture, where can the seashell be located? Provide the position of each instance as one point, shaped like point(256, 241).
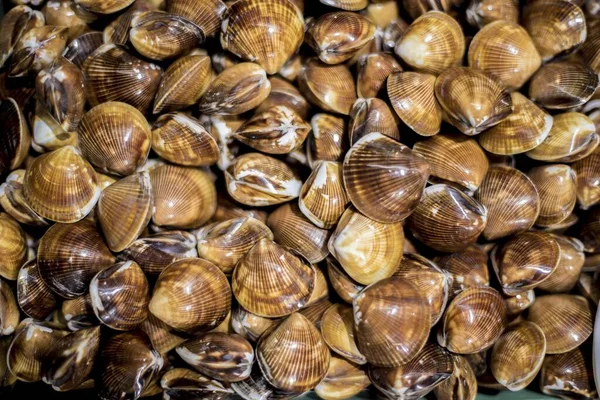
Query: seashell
point(346, 287)
point(338, 333)
point(328, 141)
point(392, 33)
point(265, 297)
point(13, 247)
point(330, 87)
point(291, 68)
point(484, 12)
point(61, 13)
point(320, 293)
point(343, 380)
point(589, 48)
point(588, 231)
point(206, 14)
point(15, 140)
point(183, 197)
point(462, 384)
point(268, 33)
point(454, 159)
point(473, 100)
point(433, 283)
point(128, 364)
point(515, 305)
point(556, 185)
point(415, 379)
point(413, 98)
point(338, 36)
point(504, 49)
point(285, 94)
point(159, 35)
point(406, 313)
point(587, 171)
point(79, 313)
point(249, 325)
point(220, 356)
point(511, 200)
point(117, 31)
point(276, 130)
point(314, 312)
point(13, 202)
point(374, 188)
point(80, 48)
point(556, 27)
point(568, 375)
point(564, 277)
point(291, 228)
point(372, 72)
point(182, 383)
point(523, 130)
point(61, 186)
point(115, 137)
point(371, 115)
point(9, 311)
point(175, 300)
point(48, 134)
point(120, 296)
point(294, 342)
point(15, 23)
point(382, 13)
point(348, 5)
point(551, 312)
point(225, 243)
point(433, 43)
point(33, 295)
point(114, 75)
point(226, 209)
point(183, 83)
point(69, 255)
point(37, 49)
point(258, 180)
point(473, 321)
point(257, 386)
point(104, 6)
point(162, 336)
point(367, 250)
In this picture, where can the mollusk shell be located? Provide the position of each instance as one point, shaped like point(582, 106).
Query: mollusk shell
point(372, 115)
point(337, 328)
point(372, 72)
point(206, 14)
point(15, 23)
point(33, 295)
point(13, 247)
point(9, 310)
point(557, 187)
point(568, 375)
point(343, 380)
point(15, 140)
point(104, 6)
point(467, 267)
point(37, 49)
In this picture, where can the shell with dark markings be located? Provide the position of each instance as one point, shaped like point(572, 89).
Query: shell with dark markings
point(33, 295)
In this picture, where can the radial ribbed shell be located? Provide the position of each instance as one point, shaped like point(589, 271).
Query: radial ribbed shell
point(473, 100)
point(183, 383)
point(590, 49)
point(48, 134)
point(69, 255)
point(557, 187)
point(124, 210)
point(13, 247)
point(267, 32)
point(432, 43)
point(9, 310)
point(104, 6)
point(568, 375)
point(163, 337)
point(13, 202)
point(473, 321)
point(462, 384)
point(256, 386)
point(521, 131)
point(117, 31)
point(61, 186)
point(566, 274)
point(271, 281)
point(518, 303)
point(15, 139)
point(284, 93)
point(350, 5)
point(206, 14)
point(111, 76)
point(392, 33)
point(175, 298)
point(328, 140)
point(371, 115)
point(37, 49)
point(588, 180)
point(337, 328)
point(372, 72)
point(79, 313)
point(483, 12)
point(33, 295)
point(565, 319)
point(505, 50)
point(346, 287)
point(468, 268)
point(81, 47)
point(343, 380)
point(249, 325)
point(15, 23)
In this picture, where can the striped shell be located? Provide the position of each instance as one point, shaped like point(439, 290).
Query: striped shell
point(557, 187)
point(568, 374)
point(343, 380)
point(35, 298)
point(337, 328)
point(13, 247)
point(372, 72)
point(372, 115)
point(328, 140)
point(588, 180)
point(9, 310)
point(566, 274)
point(206, 14)
point(15, 140)
point(468, 268)
point(462, 384)
point(104, 6)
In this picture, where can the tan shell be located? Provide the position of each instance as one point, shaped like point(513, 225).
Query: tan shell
point(257, 386)
point(565, 275)
point(372, 72)
point(163, 337)
point(371, 115)
point(557, 187)
point(117, 31)
point(468, 268)
point(565, 319)
point(349, 5)
point(382, 13)
point(433, 43)
point(343, 380)
point(416, 8)
point(9, 310)
point(48, 134)
point(227, 209)
point(483, 12)
point(206, 14)
point(392, 33)
point(33, 295)
point(504, 49)
point(285, 94)
point(81, 47)
point(588, 184)
point(328, 140)
point(568, 375)
point(462, 384)
point(13, 202)
point(268, 32)
point(589, 51)
point(104, 6)
point(337, 327)
point(249, 325)
point(346, 287)
point(15, 23)
point(37, 49)
point(13, 247)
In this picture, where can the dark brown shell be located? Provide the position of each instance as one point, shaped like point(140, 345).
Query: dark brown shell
point(117, 31)
point(33, 295)
point(13, 202)
point(462, 384)
point(15, 140)
point(79, 313)
point(81, 47)
point(468, 267)
point(163, 337)
point(328, 140)
point(13, 247)
point(589, 230)
point(206, 14)
point(182, 383)
point(227, 209)
point(15, 23)
point(568, 375)
point(285, 94)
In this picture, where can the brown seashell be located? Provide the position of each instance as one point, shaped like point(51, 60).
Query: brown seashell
point(320, 293)
point(182, 383)
point(249, 325)
point(473, 321)
point(515, 305)
point(61, 13)
point(34, 297)
point(294, 342)
point(13, 247)
point(15, 139)
point(473, 100)
point(392, 33)
point(285, 94)
point(117, 31)
point(79, 313)
point(80, 48)
point(346, 287)
point(330, 87)
point(565, 319)
point(175, 300)
point(291, 68)
point(349, 5)
point(589, 49)
point(511, 200)
point(328, 140)
point(225, 243)
point(382, 13)
point(13, 202)
point(504, 49)
point(556, 27)
point(15, 23)
point(462, 384)
point(484, 12)
point(568, 375)
point(226, 209)
point(556, 185)
point(257, 386)
point(588, 180)
point(163, 337)
point(48, 134)
point(521, 131)
point(373, 71)
point(111, 76)
point(220, 356)
point(588, 231)
point(433, 43)
point(337, 328)
point(343, 380)
point(267, 32)
point(416, 8)
point(9, 311)
point(37, 49)
point(104, 6)
point(564, 277)
point(314, 312)
point(257, 293)
point(371, 115)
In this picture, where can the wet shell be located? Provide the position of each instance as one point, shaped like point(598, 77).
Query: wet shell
point(9, 310)
point(314, 312)
point(13, 247)
point(588, 180)
point(382, 13)
point(258, 180)
point(114, 75)
point(568, 375)
point(13, 202)
point(15, 23)
point(557, 187)
point(182, 383)
point(285, 94)
point(267, 32)
point(473, 100)
point(392, 33)
point(117, 31)
point(37, 49)
point(330, 87)
point(163, 337)
point(224, 243)
point(515, 305)
point(226, 209)
point(256, 386)
point(473, 321)
point(48, 134)
point(33, 295)
point(257, 292)
point(104, 6)
point(504, 49)
point(462, 384)
point(81, 47)
point(294, 342)
point(415, 379)
point(220, 356)
point(349, 5)
point(483, 12)
point(249, 325)
point(432, 43)
point(61, 13)
point(328, 140)
point(565, 319)
point(15, 139)
point(346, 287)
point(372, 72)
point(79, 313)
point(588, 230)
point(338, 36)
point(565, 275)
point(206, 14)
point(467, 267)
point(61, 186)
point(175, 300)
point(337, 328)
point(371, 115)
point(589, 51)
point(343, 380)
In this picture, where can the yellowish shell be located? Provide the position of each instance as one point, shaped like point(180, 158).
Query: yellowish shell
point(337, 327)
point(483, 12)
point(557, 187)
point(343, 380)
point(206, 14)
point(162, 336)
point(328, 140)
point(37, 49)
point(565, 275)
point(13, 247)
point(9, 310)
point(15, 23)
point(568, 374)
point(104, 6)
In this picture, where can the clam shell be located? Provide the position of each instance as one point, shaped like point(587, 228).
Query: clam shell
point(249, 325)
point(33, 295)
point(61, 13)
point(254, 289)
point(176, 303)
point(392, 33)
point(589, 51)
point(15, 140)
point(182, 383)
point(207, 14)
point(104, 6)
point(15, 23)
point(13, 247)
point(291, 68)
point(80, 48)
point(349, 5)
point(48, 134)
point(267, 32)
point(515, 305)
point(588, 183)
point(568, 375)
point(588, 230)
point(337, 328)
point(564, 277)
point(256, 386)
point(433, 43)
point(9, 310)
point(565, 319)
point(504, 49)
point(328, 140)
point(371, 115)
point(320, 293)
point(37, 49)
point(346, 287)
point(473, 321)
point(293, 356)
point(557, 187)
point(343, 380)
point(372, 72)
point(285, 94)
point(13, 202)
point(226, 209)
point(117, 31)
point(416, 8)
point(79, 313)
point(314, 312)
point(483, 12)
point(163, 337)
point(382, 13)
